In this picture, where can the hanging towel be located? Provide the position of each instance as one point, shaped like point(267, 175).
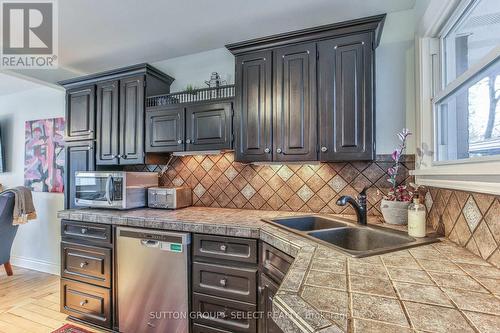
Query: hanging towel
point(24, 210)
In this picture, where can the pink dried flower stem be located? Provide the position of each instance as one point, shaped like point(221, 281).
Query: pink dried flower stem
point(393, 171)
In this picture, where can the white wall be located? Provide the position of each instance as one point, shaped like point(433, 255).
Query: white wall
point(395, 81)
point(37, 243)
point(196, 68)
point(395, 97)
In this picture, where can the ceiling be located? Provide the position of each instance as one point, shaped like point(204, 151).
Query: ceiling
point(96, 35)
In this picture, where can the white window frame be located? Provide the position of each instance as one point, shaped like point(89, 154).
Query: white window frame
point(478, 174)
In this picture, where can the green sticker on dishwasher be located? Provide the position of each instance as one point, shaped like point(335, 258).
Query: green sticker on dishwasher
point(176, 247)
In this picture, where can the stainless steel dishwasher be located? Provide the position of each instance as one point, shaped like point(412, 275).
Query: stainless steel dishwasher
point(153, 280)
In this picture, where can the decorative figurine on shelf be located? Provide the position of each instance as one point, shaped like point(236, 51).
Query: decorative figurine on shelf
point(215, 82)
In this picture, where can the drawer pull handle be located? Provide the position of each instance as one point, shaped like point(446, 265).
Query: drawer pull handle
point(84, 231)
point(223, 248)
point(83, 264)
point(223, 282)
point(261, 290)
point(224, 314)
point(82, 303)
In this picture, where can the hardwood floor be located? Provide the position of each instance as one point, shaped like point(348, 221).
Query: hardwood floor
point(29, 302)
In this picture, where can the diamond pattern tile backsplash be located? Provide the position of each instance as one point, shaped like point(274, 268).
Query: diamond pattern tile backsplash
point(219, 181)
point(472, 220)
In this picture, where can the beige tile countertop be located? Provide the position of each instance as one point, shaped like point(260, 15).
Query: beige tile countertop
point(432, 288)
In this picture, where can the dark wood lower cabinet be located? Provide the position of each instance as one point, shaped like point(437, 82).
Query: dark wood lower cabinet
point(197, 328)
point(236, 283)
point(85, 263)
point(267, 289)
point(234, 280)
point(87, 272)
point(225, 314)
point(86, 302)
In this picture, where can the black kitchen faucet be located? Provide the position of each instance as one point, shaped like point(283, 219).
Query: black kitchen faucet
point(359, 205)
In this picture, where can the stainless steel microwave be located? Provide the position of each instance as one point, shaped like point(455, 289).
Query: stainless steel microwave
point(116, 190)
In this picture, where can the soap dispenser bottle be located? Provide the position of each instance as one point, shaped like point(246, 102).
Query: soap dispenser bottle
point(416, 218)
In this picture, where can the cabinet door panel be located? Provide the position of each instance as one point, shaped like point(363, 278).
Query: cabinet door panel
point(80, 156)
point(165, 130)
point(132, 120)
point(80, 113)
point(87, 264)
point(86, 302)
point(345, 98)
point(209, 126)
point(267, 290)
point(295, 95)
point(107, 123)
point(253, 109)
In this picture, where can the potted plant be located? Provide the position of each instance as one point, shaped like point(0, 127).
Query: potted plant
point(394, 205)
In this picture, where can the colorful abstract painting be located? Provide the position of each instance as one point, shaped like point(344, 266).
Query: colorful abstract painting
point(44, 155)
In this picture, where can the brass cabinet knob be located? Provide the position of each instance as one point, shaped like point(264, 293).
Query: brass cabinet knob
point(278, 150)
point(267, 150)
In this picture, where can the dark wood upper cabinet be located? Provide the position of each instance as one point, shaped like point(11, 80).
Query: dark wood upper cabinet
point(322, 95)
point(108, 140)
point(295, 95)
point(80, 156)
point(209, 126)
point(253, 107)
point(132, 120)
point(345, 72)
point(165, 129)
point(80, 113)
point(110, 108)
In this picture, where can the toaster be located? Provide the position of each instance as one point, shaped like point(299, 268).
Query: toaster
point(169, 198)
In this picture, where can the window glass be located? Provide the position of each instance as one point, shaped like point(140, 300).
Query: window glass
point(468, 120)
point(475, 34)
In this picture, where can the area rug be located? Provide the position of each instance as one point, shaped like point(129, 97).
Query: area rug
point(68, 328)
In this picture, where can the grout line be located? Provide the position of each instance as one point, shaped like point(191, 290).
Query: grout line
point(455, 306)
point(350, 305)
point(403, 307)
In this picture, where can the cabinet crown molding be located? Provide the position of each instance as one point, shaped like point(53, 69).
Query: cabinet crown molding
point(132, 70)
point(371, 23)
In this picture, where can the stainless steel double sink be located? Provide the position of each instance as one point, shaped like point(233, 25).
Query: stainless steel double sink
point(353, 239)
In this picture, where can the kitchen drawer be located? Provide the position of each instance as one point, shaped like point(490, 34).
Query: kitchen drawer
point(228, 248)
point(197, 328)
point(223, 281)
point(86, 263)
point(273, 262)
point(88, 232)
point(86, 302)
point(237, 317)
